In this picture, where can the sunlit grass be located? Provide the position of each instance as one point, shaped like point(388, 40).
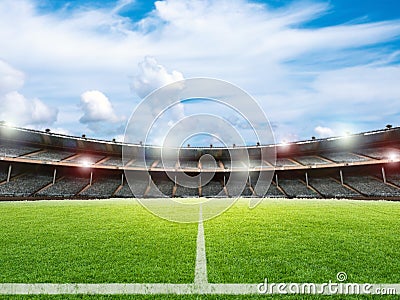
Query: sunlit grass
point(92, 241)
point(305, 241)
point(120, 241)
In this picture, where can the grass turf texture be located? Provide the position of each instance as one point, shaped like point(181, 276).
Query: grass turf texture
point(305, 241)
point(92, 242)
point(119, 241)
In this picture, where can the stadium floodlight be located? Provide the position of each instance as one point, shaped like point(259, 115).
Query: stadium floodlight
point(346, 135)
point(393, 157)
point(86, 163)
point(283, 144)
point(7, 124)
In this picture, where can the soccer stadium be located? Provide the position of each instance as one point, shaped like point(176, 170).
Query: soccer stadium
point(199, 149)
point(81, 233)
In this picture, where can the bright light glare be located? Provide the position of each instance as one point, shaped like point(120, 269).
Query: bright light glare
point(86, 163)
point(7, 124)
point(283, 143)
point(346, 135)
point(393, 157)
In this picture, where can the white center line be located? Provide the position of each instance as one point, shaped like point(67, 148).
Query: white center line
point(200, 273)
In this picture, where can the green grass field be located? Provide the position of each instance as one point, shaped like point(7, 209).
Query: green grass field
point(118, 241)
point(305, 241)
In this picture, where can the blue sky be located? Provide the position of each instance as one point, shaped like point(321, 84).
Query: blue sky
point(318, 68)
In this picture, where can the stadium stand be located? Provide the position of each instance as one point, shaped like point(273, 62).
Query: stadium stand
point(188, 164)
point(294, 188)
point(310, 160)
point(65, 187)
point(209, 165)
point(3, 174)
point(361, 166)
point(263, 188)
point(371, 186)
point(24, 185)
point(233, 164)
point(213, 188)
point(283, 162)
point(101, 188)
point(185, 191)
point(379, 153)
point(126, 192)
point(112, 161)
point(272, 192)
point(330, 188)
point(165, 186)
point(51, 155)
point(257, 163)
point(343, 157)
point(13, 151)
point(166, 164)
point(139, 187)
point(394, 179)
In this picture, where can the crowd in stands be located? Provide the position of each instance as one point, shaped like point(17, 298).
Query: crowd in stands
point(113, 161)
point(139, 187)
point(160, 188)
point(344, 157)
point(101, 188)
point(51, 155)
point(188, 164)
point(330, 188)
point(394, 178)
point(212, 189)
point(282, 162)
point(371, 186)
point(186, 191)
point(125, 192)
point(65, 187)
point(295, 188)
point(310, 160)
point(24, 185)
point(15, 151)
point(379, 153)
point(209, 165)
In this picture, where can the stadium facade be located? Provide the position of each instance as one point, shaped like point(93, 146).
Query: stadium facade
point(46, 165)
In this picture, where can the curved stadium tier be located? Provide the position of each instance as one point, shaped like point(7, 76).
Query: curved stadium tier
point(45, 165)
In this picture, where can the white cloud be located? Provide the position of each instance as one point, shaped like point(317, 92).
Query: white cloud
point(11, 79)
point(96, 108)
point(15, 108)
point(19, 110)
point(323, 132)
point(152, 76)
point(296, 72)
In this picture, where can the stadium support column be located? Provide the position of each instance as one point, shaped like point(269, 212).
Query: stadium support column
point(122, 179)
point(384, 175)
point(54, 176)
point(276, 180)
point(9, 173)
point(341, 177)
point(307, 179)
point(91, 178)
